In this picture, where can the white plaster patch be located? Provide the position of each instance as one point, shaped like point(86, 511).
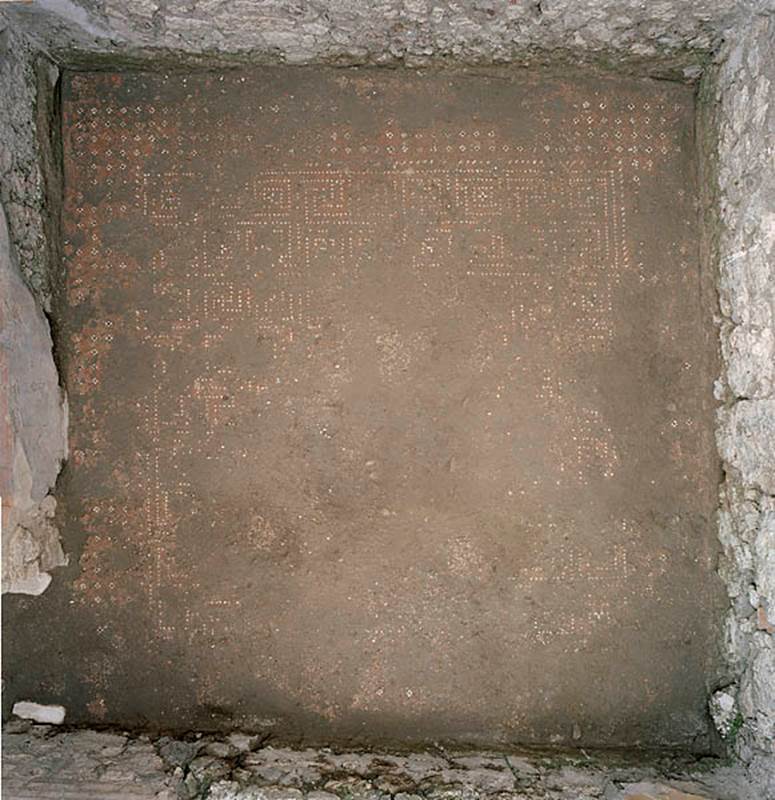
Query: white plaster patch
point(48, 715)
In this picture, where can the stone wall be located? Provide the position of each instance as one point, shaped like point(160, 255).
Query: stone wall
point(674, 36)
point(22, 187)
point(33, 410)
point(739, 95)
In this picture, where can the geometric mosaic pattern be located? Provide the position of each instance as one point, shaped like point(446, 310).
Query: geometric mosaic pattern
point(390, 405)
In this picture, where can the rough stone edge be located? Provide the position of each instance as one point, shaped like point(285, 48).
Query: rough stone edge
point(22, 185)
point(44, 762)
point(736, 124)
point(33, 422)
point(669, 40)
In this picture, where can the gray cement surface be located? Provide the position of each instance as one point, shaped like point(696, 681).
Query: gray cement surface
point(390, 410)
point(44, 763)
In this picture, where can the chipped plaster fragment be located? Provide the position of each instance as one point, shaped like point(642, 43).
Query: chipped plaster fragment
point(764, 557)
point(48, 715)
point(750, 353)
point(32, 549)
point(724, 710)
point(79, 15)
point(33, 430)
point(746, 436)
point(762, 621)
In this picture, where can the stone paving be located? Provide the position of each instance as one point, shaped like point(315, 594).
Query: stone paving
point(43, 763)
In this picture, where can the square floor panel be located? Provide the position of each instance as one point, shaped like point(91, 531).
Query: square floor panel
point(391, 409)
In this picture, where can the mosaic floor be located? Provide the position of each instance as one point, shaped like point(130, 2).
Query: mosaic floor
point(391, 409)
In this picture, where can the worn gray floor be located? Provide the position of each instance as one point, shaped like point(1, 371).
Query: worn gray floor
point(41, 763)
point(391, 410)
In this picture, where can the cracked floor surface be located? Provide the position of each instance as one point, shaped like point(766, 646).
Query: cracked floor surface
point(45, 763)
